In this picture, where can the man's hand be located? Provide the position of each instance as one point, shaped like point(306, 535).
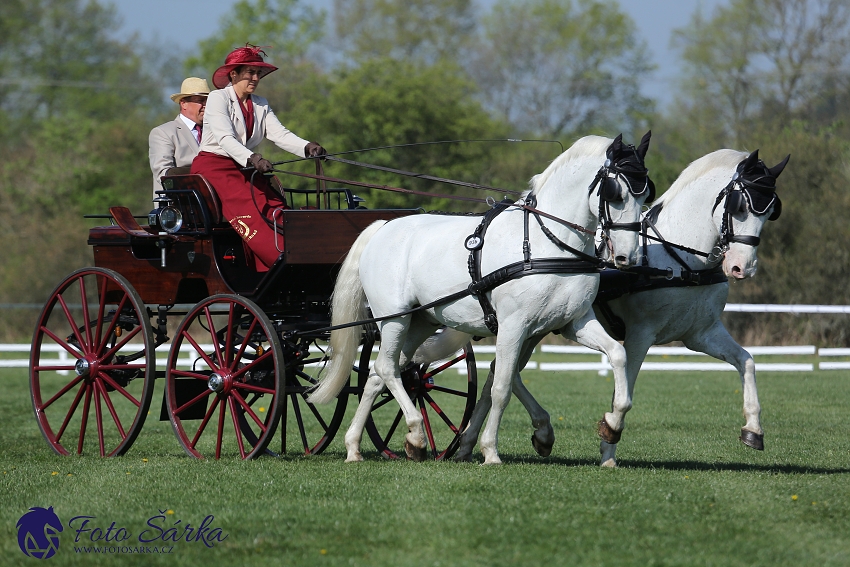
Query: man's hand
point(260, 163)
point(313, 150)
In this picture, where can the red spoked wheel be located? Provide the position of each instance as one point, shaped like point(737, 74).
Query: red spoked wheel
point(444, 394)
point(224, 381)
point(96, 395)
point(306, 428)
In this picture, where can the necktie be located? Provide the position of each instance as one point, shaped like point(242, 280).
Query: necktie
point(198, 130)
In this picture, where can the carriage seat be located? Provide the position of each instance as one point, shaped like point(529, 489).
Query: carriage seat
point(190, 191)
point(180, 185)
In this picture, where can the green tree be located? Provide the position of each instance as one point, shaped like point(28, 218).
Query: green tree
point(65, 61)
point(754, 55)
point(561, 68)
point(387, 102)
point(80, 105)
point(286, 29)
point(423, 30)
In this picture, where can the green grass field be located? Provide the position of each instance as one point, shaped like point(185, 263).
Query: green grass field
point(686, 493)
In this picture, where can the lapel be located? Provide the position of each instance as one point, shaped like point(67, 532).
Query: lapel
point(239, 121)
point(184, 133)
point(236, 114)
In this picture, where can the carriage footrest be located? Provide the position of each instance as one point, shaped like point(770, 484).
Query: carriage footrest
point(186, 390)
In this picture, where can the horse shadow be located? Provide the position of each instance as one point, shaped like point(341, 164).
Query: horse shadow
point(678, 465)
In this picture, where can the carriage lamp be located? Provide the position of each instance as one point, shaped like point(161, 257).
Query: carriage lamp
point(166, 218)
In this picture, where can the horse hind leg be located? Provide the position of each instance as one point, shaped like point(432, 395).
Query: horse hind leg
point(374, 386)
point(543, 438)
point(400, 341)
point(470, 435)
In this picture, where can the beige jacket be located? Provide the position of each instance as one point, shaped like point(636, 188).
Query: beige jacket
point(170, 145)
point(224, 127)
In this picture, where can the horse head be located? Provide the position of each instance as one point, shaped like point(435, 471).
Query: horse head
point(749, 200)
point(622, 187)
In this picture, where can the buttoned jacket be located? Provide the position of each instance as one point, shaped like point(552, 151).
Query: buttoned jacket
point(172, 144)
point(225, 132)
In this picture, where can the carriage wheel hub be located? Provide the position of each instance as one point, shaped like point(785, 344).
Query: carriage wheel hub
point(217, 383)
point(82, 367)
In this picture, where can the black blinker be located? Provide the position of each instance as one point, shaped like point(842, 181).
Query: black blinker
point(735, 202)
point(651, 197)
point(610, 190)
point(777, 210)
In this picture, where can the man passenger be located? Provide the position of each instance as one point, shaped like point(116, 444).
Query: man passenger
point(176, 143)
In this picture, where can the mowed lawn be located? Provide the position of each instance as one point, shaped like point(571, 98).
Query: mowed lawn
point(687, 492)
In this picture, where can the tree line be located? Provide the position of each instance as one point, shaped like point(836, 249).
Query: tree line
point(77, 102)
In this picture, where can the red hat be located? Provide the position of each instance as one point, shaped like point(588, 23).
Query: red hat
point(248, 55)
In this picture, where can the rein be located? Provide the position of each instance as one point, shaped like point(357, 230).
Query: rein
point(422, 176)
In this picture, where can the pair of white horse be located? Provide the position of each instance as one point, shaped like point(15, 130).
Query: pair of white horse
point(396, 267)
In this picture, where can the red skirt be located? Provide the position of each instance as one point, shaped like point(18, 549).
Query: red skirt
point(247, 206)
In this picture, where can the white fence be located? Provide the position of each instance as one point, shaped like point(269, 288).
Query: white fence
point(544, 354)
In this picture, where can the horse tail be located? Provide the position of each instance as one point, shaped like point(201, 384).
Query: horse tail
point(348, 304)
point(440, 345)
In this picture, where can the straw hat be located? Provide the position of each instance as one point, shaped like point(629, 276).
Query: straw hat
point(193, 86)
point(248, 55)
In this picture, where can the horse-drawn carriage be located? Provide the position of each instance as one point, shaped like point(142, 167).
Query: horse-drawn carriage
point(245, 346)
point(247, 356)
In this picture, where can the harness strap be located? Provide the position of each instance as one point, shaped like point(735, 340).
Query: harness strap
point(617, 283)
point(474, 244)
point(490, 281)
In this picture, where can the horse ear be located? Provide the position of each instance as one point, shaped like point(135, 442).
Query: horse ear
point(751, 160)
point(644, 144)
point(615, 146)
point(777, 169)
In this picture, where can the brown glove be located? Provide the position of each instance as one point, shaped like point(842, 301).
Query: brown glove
point(312, 149)
point(260, 163)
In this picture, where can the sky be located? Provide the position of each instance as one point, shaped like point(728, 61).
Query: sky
point(186, 22)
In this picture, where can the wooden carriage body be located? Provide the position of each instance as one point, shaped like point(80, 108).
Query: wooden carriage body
point(249, 345)
point(207, 257)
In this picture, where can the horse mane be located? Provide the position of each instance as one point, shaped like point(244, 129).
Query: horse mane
point(725, 158)
point(583, 147)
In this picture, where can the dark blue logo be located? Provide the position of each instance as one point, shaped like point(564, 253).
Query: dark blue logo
point(38, 533)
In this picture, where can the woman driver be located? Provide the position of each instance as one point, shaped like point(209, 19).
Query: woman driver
point(235, 121)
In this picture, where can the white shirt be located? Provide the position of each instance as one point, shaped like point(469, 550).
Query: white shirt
point(190, 124)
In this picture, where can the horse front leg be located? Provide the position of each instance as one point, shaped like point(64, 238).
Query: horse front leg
point(636, 349)
point(508, 346)
point(587, 331)
point(717, 342)
point(543, 437)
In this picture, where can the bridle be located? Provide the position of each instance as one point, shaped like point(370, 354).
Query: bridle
point(631, 170)
point(739, 196)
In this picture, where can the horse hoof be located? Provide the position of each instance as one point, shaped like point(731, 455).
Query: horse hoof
point(542, 449)
point(754, 440)
point(462, 458)
point(609, 464)
point(606, 433)
point(416, 454)
point(355, 458)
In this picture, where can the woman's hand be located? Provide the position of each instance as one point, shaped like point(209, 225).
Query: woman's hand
point(260, 163)
point(312, 150)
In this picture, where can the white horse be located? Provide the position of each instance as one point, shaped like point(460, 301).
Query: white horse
point(415, 261)
point(705, 228)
